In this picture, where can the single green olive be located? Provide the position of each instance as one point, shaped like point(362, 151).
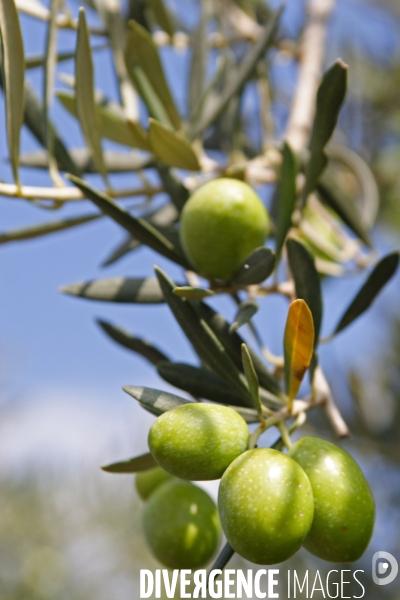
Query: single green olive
point(181, 525)
point(198, 441)
point(344, 505)
point(221, 224)
point(266, 506)
point(147, 481)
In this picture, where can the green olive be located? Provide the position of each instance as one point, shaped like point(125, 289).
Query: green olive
point(266, 506)
point(344, 505)
point(221, 224)
point(147, 481)
point(181, 525)
point(198, 441)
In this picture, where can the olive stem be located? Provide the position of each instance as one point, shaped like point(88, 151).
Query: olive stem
point(285, 434)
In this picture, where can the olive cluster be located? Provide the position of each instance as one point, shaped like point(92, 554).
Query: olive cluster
point(270, 503)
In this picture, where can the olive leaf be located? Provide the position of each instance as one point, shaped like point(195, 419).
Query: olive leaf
point(202, 338)
point(164, 216)
point(128, 245)
point(172, 148)
point(85, 104)
point(118, 289)
point(154, 401)
point(330, 97)
point(252, 379)
point(247, 309)
point(200, 383)
point(306, 280)
point(42, 229)
point(111, 122)
point(14, 73)
point(257, 267)
point(381, 274)
point(232, 343)
point(145, 68)
point(133, 465)
point(141, 229)
point(162, 16)
point(131, 342)
point(33, 119)
point(298, 346)
point(285, 196)
point(177, 191)
point(192, 293)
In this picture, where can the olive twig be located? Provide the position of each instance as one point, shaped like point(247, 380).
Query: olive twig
point(285, 434)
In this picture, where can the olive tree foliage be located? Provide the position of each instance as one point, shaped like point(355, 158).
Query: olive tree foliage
point(322, 220)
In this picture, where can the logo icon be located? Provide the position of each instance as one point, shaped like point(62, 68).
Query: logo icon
point(387, 564)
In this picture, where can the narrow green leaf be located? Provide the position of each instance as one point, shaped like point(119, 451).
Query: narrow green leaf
point(286, 196)
point(118, 289)
point(306, 280)
point(85, 104)
point(330, 97)
point(128, 245)
point(257, 267)
point(164, 216)
point(172, 148)
point(112, 123)
point(173, 186)
point(155, 401)
point(252, 379)
point(14, 72)
point(382, 273)
point(249, 414)
point(298, 345)
point(131, 342)
point(192, 293)
point(200, 383)
point(204, 341)
point(145, 68)
point(139, 136)
point(232, 343)
point(139, 228)
point(133, 465)
point(247, 309)
point(33, 119)
point(198, 65)
point(42, 229)
point(162, 16)
point(245, 71)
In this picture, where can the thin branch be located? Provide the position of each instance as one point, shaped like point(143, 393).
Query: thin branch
point(67, 193)
point(312, 52)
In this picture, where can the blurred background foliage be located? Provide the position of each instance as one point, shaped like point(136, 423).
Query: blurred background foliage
point(77, 535)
